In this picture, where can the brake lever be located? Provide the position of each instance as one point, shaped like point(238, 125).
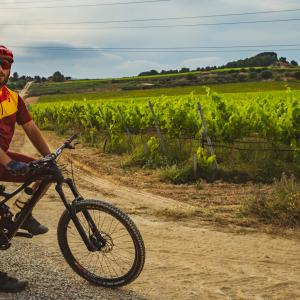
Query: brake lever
point(72, 146)
point(69, 146)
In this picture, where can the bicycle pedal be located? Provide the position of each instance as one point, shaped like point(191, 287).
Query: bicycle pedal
point(24, 234)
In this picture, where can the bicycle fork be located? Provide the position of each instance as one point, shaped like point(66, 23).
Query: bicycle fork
point(93, 242)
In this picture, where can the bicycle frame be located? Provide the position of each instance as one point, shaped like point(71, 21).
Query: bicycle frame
point(71, 207)
point(77, 214)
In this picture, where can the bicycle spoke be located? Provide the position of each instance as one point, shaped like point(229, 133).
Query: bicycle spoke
point(126, 250)
point(121, 257)
point(115, 228)
point(111, 265)
point(120, 236)
point(114, 259)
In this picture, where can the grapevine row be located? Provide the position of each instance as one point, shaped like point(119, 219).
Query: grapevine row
point(274, 116)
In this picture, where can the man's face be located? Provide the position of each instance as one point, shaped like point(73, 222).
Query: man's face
point(4, 71)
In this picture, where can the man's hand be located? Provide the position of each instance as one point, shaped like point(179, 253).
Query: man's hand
point(17, 168)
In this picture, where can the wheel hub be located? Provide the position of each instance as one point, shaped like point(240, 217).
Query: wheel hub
point(106, 247)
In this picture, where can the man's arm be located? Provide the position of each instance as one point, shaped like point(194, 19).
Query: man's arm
point(4, 158)
point(35, 136)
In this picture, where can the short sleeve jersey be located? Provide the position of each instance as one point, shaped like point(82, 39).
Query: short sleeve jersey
point(12, 110)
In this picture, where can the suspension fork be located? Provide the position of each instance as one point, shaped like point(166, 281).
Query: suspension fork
point(72, 211)
point(85, 212)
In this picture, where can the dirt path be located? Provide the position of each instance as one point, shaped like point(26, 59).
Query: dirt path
point(185, 259)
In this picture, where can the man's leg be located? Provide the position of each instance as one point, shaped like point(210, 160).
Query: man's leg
point(31, 224)
point(11, 285)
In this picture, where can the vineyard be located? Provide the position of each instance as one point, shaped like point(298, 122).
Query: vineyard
point(106, 90)
point(243, 127)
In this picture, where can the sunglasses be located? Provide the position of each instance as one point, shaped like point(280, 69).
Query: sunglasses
point(5, 64)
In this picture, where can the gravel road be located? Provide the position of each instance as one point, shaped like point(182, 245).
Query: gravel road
point(49, 278)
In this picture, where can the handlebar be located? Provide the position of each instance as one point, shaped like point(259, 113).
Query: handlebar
point(55, 154)
point(66, 144)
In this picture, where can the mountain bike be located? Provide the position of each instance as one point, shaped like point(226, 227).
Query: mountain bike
point(98, 240)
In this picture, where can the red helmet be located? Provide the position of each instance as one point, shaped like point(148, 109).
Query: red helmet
point(6, 54)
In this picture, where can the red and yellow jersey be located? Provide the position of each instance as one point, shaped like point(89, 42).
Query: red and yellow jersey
point(12, 110)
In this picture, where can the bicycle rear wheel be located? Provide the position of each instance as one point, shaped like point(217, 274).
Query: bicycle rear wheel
point(117, 263)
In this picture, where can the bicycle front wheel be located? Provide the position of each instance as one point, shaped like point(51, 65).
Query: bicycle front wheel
point(119, 261)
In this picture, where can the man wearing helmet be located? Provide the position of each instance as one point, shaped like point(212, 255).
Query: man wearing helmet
point(13, 166)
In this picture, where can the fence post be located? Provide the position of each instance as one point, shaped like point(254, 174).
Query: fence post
point(163, 146)
point(126, 127)
point(210, 147)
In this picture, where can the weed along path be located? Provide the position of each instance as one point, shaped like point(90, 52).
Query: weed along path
point(185, 258)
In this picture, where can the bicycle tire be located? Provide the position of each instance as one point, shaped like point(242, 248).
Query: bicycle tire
point(116, 215)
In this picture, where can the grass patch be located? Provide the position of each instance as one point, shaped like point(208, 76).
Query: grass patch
point(262, 171)
point(281, 206)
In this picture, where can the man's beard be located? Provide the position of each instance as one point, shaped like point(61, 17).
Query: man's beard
point(3, 79)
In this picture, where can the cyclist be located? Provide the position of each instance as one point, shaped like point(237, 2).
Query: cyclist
point(14, 166)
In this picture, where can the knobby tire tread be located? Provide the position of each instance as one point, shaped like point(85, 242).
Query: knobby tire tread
point(130, 227)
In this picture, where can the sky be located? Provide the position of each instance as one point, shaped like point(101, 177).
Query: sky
point(56, 46)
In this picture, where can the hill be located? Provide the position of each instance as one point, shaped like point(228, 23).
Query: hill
point(264, 59)
point(260, 69)
point(225, 80)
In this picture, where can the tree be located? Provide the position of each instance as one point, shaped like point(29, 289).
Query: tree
point(37, 79)
point(297, 75)
point(149, 73)
point(294, 63)
point(282, 59)
point(15, 76)
point(266, 74)
point(253, 75)
point(184, 70)
point(259, 60)
point(58, 77)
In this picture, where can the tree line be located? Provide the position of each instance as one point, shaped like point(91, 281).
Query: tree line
point(56, 77)
point(18, 82)
point(263, 59)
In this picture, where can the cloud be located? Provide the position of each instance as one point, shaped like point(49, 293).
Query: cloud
point(107, 64)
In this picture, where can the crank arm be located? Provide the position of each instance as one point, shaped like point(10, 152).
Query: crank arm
point(24, 234)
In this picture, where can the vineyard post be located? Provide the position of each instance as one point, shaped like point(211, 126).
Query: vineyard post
point(164, 149)
point(146, 148)
point(126, 127)
point(210, 147)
